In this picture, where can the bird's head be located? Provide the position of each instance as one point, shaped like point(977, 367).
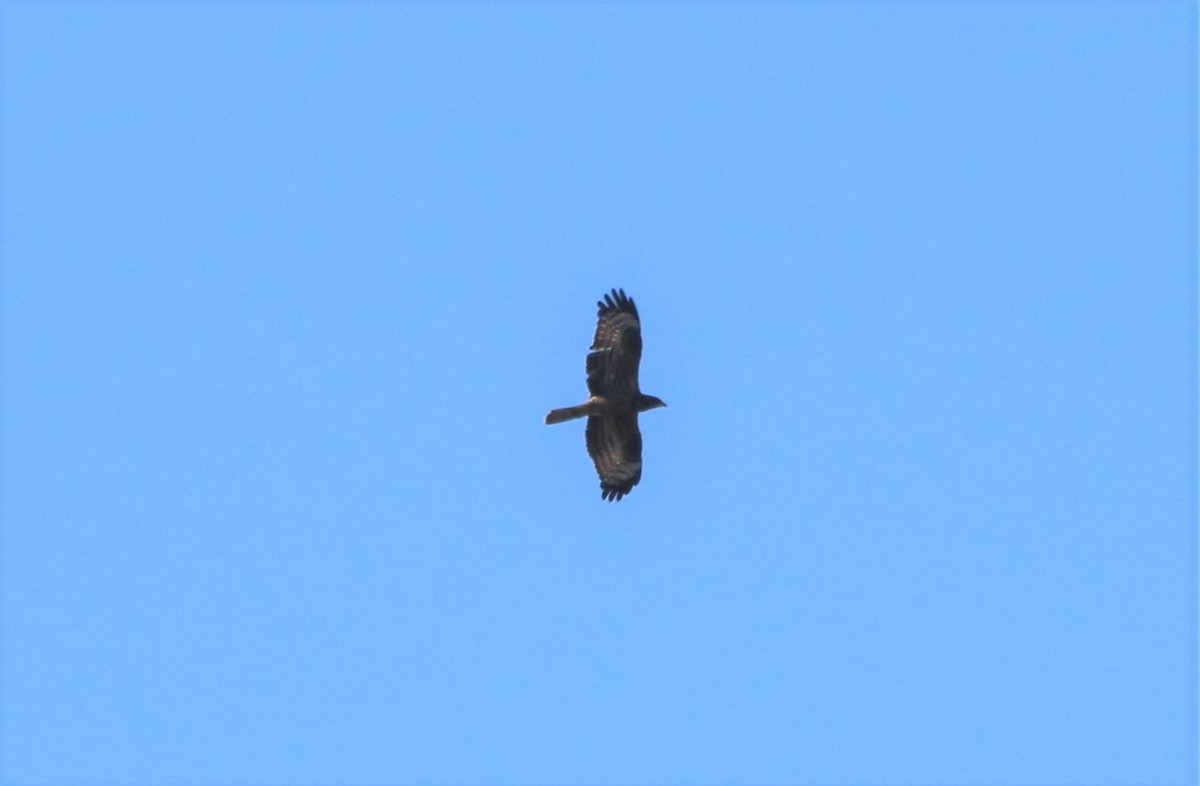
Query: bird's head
point(650, 402)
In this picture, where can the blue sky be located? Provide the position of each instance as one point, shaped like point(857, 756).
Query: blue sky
point(288, 288)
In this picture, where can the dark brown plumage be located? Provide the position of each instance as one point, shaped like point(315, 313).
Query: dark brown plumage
point(613, 439)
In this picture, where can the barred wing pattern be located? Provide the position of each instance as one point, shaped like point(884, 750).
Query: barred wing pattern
point(612, 365)
point(615, 445)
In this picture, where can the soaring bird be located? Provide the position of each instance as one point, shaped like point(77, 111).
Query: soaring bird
point(613, 439)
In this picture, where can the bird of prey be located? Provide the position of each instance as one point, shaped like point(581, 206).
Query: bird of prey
point(613, 439)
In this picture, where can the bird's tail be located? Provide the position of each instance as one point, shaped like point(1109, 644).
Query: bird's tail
point(566, 413)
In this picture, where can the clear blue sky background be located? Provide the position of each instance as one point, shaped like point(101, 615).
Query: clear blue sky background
point(288, 289)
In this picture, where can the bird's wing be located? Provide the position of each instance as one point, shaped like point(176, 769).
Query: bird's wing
point(612, 365)
point(615, 445)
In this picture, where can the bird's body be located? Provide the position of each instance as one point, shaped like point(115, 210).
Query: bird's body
point(613, 439)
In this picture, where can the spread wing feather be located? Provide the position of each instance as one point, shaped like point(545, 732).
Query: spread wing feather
point(615, 444)
point(612, 365)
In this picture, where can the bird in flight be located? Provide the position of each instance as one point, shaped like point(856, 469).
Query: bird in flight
point(613, 439)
